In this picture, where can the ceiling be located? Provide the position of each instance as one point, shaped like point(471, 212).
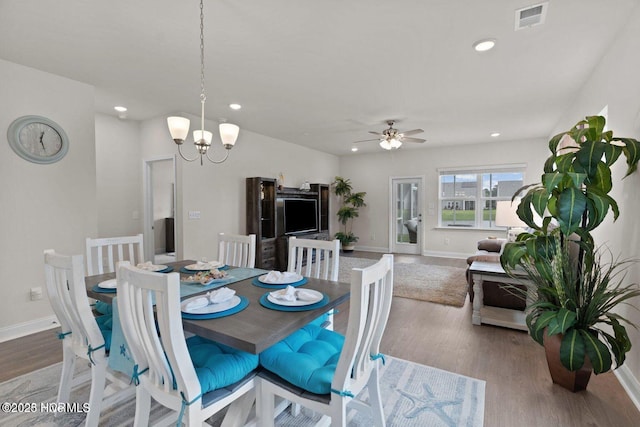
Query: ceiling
point(324, 73)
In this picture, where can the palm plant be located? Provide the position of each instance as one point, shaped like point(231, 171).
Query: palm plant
point(351, 202)
point(576, 289)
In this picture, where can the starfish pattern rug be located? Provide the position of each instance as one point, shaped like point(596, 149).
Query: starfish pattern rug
point(414, 395)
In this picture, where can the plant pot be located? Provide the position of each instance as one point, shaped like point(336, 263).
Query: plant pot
point(571, 380)
point(348, 248)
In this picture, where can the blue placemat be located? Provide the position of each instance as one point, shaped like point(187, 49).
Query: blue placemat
point(244, 302)
point(100, 290)
point(266, 303)
point(166, 270)
point(187, 271)
point(258, 283)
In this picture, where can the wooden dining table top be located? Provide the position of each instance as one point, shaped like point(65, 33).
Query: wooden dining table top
point(255, 328)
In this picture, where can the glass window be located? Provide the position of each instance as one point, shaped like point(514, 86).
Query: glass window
point(468, 198)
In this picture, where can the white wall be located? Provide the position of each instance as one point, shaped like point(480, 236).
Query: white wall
point(372, 173)
point(118, 177)
point(615, 83)
point(218, 191)
point(43, 206)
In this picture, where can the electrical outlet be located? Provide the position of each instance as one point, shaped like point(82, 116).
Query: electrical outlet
point(373, 236)
point(194, 214)
point(447, 241)
point(35, 293)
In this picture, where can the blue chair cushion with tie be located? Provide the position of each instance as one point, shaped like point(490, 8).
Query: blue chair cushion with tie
point(103, 307)
point(217, 365)
point(307, 358)
point(105, 323)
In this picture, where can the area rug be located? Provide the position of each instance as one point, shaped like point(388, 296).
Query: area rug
point(434, 283)
point(414, 395)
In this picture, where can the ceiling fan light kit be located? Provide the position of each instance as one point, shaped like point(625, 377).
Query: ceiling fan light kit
point(392, 139)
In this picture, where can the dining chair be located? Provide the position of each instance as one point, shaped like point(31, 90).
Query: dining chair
point(323, 370)
point(237, 250)
point(194, 377)
point(81, 335)
point(319, 259)
point(104, 253)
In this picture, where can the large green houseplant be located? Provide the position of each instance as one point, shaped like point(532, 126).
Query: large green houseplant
point(577, 288)
point(351, 202)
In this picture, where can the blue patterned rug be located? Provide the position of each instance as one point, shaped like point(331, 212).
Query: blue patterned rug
point(413, 395)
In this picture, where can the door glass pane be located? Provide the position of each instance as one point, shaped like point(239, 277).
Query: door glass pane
point(407, 210)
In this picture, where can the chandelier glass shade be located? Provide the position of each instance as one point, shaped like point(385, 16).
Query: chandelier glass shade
point(179, 126)
point(390, 143)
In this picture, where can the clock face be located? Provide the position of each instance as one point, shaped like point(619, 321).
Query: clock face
point(38, 139)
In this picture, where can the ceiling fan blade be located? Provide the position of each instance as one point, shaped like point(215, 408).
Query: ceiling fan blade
point(405, 139)
point(412, 132)
point(366, 140)
point(377, 133)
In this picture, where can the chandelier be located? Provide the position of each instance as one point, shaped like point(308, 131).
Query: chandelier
point(179, 126)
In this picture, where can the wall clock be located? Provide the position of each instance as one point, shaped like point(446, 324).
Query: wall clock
point(38, 139)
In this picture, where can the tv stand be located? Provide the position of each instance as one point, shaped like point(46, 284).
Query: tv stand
point(263, 219)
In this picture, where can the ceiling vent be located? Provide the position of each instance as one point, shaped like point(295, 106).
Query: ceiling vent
point(531, 16)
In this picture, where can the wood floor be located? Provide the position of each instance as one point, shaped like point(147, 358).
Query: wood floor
point(519, 391)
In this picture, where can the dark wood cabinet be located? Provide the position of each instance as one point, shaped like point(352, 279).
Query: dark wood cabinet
point(265, 221)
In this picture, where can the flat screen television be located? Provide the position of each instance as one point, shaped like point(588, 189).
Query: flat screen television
point(300, 215)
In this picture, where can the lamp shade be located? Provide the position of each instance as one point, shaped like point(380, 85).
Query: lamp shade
point(228, 134)
point(395, 143)
point(506, 215)
point(197, 136)
point(178, 127)
point(385, 144)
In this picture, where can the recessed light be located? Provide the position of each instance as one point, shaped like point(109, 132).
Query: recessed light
point(120, 109)
point(354, 149)
point(235, 106)
point(495, 134)
point(484, 45)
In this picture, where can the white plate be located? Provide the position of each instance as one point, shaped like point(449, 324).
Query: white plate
point(210, 266)
point(108, 284)
point(298, 303)
point(211, 308)
point(293, 279)
point(154, 267)
point(223, 279)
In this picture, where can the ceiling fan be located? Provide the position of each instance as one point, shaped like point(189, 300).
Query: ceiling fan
point(392, 138)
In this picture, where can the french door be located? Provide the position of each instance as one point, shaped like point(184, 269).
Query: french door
point(406, 215)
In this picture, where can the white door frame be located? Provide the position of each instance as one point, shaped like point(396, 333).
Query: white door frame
point(149, 237)
point(407, 248)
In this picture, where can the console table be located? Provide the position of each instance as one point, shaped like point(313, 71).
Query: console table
point(508, 318)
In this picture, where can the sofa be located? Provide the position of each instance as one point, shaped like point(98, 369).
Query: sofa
point(495, 294)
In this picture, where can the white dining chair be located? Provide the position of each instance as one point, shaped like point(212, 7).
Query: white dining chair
point(319, 259)
point(82, 338)
point(297, 373)
point(195, 377)
point(237, 250)
point(104, 253)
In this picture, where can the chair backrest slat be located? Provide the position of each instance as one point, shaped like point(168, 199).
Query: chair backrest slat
point(64, 276)
point(161, 349)
point(114, 249)
point(321, 258)
point(369, 307)
point(237, 250)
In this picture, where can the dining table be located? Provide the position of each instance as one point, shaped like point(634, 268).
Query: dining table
point(256, 327)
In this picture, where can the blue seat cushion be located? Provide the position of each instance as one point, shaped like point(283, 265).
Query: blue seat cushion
point(218, 365)
point(105, 323)
point(307, 358)
point(103, 308)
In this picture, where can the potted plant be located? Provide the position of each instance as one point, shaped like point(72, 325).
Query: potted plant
point(351, 202)
point(575, 288)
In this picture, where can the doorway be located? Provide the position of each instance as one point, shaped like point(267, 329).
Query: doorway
point(159, 209)
point(406, 215)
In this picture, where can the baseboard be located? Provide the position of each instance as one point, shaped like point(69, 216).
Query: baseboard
point(372, 249)
point(630, 384)
point(440, 254)
point(27, 328)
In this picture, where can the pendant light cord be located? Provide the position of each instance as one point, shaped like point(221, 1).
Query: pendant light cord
point(203, 96)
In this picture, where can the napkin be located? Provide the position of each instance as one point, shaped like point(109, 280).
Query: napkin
point(304, 295)
point(196, 304)
point(220, 295)
point(286, 294)
point(146, 266)
point(279, 277)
